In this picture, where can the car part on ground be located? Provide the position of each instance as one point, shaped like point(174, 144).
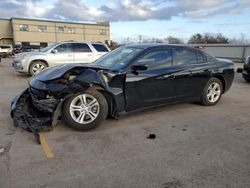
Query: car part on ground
point(59, 53)
point(127, 79)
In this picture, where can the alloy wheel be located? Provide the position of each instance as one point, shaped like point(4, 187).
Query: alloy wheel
point(37, 68)
point(84, 108)
point(213, 92)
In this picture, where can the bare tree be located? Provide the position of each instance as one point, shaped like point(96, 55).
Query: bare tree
point(241, 40)
point(208, 38)
point(174, 40)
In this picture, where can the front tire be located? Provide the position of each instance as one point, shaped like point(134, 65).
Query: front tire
point(85, 111)
point(212, 92)
point(36, 67)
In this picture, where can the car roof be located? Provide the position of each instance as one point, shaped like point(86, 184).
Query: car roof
point(152, 45)
point(86, 42)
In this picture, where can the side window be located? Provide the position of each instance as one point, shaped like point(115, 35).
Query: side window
point(80, 47)
point(157, 59)
point(200, 58)
point(100, 47)
point(184, 57)
point(63, 48)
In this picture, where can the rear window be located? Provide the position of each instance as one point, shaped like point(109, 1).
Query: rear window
point(184, 56)
point(80, 47)
point(100, 48)
point(201, 58)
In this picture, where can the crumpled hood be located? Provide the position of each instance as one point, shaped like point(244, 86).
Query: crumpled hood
point(58, 71)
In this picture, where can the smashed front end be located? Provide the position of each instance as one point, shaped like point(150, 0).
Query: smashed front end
point(33, 114)
point(38, 107)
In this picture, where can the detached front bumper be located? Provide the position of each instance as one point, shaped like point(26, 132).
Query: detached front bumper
point(34, 114)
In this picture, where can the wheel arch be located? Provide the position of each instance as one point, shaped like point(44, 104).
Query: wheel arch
point(110, 100)
point(222, 79)
point(35, 60)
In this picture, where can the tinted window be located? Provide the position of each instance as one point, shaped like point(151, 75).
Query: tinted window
point(184, 56)
point(63, 48)
point(80, 47)
point(200, 58)
point(157, 59)
point(100, 48)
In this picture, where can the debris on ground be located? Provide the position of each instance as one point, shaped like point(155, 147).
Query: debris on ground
point(2, 150)
point(151, 136)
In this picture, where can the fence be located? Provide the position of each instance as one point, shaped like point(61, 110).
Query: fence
point(228, 51)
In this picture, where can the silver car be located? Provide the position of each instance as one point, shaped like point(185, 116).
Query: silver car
point(59, 53)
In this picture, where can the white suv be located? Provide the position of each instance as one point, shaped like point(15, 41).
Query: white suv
point(59, 53)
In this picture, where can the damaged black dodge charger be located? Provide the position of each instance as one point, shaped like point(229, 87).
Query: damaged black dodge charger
point(130, 78)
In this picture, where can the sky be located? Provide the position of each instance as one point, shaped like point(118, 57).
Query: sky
point(148, 18)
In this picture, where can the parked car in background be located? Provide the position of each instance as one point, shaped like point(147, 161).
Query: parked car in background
point(245, 70)
point(57, 54)
point(5, 50)
point(129, 78)
point(25, 48)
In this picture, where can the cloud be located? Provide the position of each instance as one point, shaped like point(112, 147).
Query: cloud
point(122, 10)
point(21, 8)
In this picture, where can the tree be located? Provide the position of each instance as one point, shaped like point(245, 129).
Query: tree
point(208, 38)
point(196, 39)
point(241, 40)
point(174, 40)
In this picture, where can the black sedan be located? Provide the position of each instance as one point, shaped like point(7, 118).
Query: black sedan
point(246, 69)
point(130, 78)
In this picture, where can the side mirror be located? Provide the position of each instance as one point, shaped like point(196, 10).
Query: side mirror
point(54, 51)
point(139, 67)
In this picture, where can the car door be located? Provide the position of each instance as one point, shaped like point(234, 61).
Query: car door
point(62, 54)
point(151, 87)
point(192, 73)
point(82, 53)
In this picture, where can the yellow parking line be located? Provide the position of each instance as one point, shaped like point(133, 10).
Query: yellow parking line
point(45, 145)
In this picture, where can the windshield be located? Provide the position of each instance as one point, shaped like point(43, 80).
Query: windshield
point(48, 47)
point(118, 58)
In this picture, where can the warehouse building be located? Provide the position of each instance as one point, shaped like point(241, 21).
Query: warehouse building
point(44, 32)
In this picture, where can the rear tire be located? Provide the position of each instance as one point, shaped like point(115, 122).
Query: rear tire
point(212, 92)
point(85, 111)
point(36, 67)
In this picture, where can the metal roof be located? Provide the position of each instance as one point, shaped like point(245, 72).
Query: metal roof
point(60, 21)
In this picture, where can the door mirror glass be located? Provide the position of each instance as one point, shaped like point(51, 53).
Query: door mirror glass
point(54, 51)
point(139, 67)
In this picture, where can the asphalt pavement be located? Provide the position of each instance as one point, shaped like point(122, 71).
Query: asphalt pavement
point(192, 146)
